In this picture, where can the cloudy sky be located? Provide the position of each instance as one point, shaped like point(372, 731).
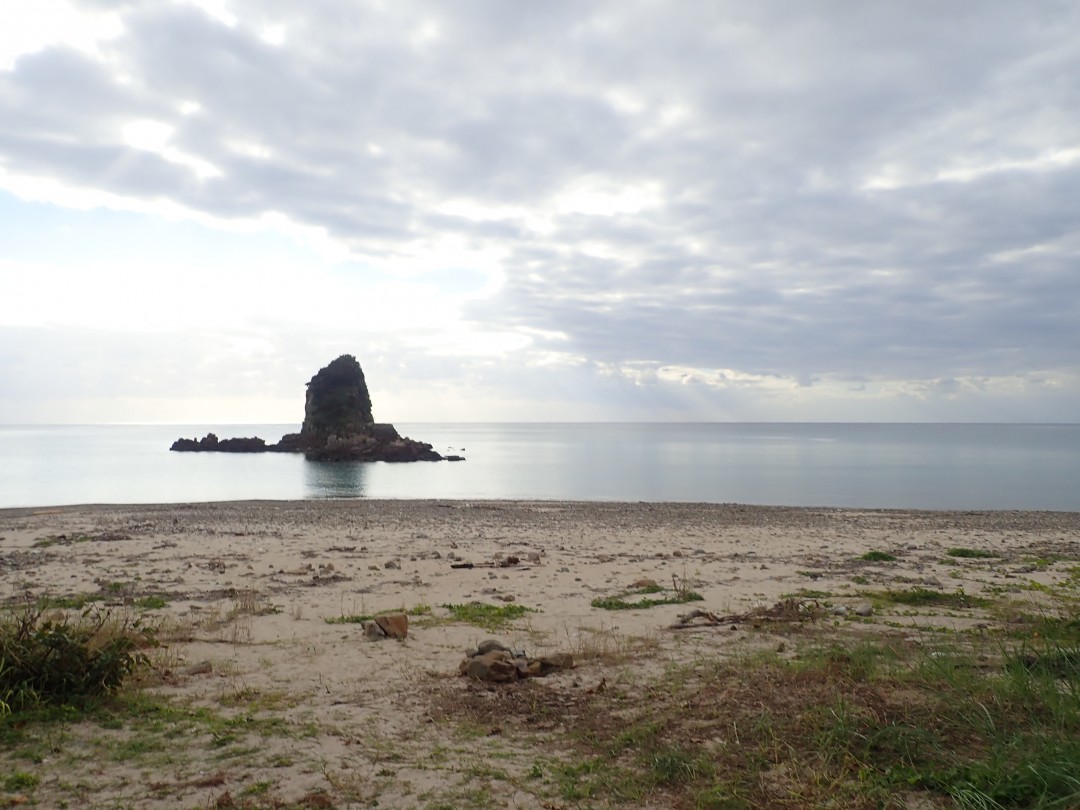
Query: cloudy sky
point(625, 210)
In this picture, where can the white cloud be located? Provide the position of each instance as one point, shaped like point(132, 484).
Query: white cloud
point(28, 26)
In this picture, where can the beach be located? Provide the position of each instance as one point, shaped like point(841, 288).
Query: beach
point(257, 607)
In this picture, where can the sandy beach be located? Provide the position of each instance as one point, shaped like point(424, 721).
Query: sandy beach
point(253, 602)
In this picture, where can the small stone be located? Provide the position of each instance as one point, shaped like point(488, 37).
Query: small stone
point(491, 645)
point(394, 625)
point(202, 668)
point(555, 661)
point(392, 565)
point(865, 609)
point(506, 597)
point(534, 557)
point(644, 582)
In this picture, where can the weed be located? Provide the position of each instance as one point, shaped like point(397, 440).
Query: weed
point(620, 603)
point(74, 602)
point(360, 618)
point(489, 617)
point(971, 553)
point(878, 556)
point(351, 619)
point(924, 597)
point(19, 781)
point(151, 602)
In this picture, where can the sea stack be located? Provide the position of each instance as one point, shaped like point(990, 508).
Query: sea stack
point(338, 425)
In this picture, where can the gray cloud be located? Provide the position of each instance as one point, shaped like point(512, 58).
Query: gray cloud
point(861, 191)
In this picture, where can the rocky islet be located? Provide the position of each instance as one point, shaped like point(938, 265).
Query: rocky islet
point(338, 426)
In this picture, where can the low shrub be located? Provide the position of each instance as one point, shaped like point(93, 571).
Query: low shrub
point(58, 659)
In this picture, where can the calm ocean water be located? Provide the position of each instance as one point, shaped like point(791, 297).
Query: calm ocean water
point(949, 466)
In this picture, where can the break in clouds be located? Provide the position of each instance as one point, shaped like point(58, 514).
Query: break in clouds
point(750, 200)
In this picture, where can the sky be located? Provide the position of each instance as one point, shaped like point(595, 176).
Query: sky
point(624, 210)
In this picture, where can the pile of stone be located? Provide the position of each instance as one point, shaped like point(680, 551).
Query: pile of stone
point(494, 662)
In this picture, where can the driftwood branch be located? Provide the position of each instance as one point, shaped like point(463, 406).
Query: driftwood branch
point(788, 610)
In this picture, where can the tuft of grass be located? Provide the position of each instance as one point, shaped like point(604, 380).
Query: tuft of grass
point(971, 553)
point(925, 597)
point(878, 556)
point(620, 603)
point(20, 781)
point(359, 618)
point(489, 617)
point(151, 602)
point(77, 601)
point(353, 618)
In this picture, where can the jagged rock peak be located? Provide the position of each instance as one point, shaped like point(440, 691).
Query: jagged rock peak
point(338, 403)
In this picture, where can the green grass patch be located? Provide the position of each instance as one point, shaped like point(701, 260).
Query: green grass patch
point(77, 601)
point(360, 618)
point(847, 725)
point(20, 781)
point(355, 618)
point(878, 556)
point(151, 602)
point(621, 603)
point(971, 554)
point(489, 617)
point(925, 597)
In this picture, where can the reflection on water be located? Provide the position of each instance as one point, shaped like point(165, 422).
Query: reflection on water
point(334, 479)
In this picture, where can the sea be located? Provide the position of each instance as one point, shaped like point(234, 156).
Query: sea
point(865, 465)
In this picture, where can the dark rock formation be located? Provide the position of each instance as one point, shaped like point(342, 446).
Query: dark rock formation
point(338, 425)
point(338, 403)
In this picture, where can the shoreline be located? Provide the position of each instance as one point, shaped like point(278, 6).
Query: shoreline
point(256, 601)
point(599, 502)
